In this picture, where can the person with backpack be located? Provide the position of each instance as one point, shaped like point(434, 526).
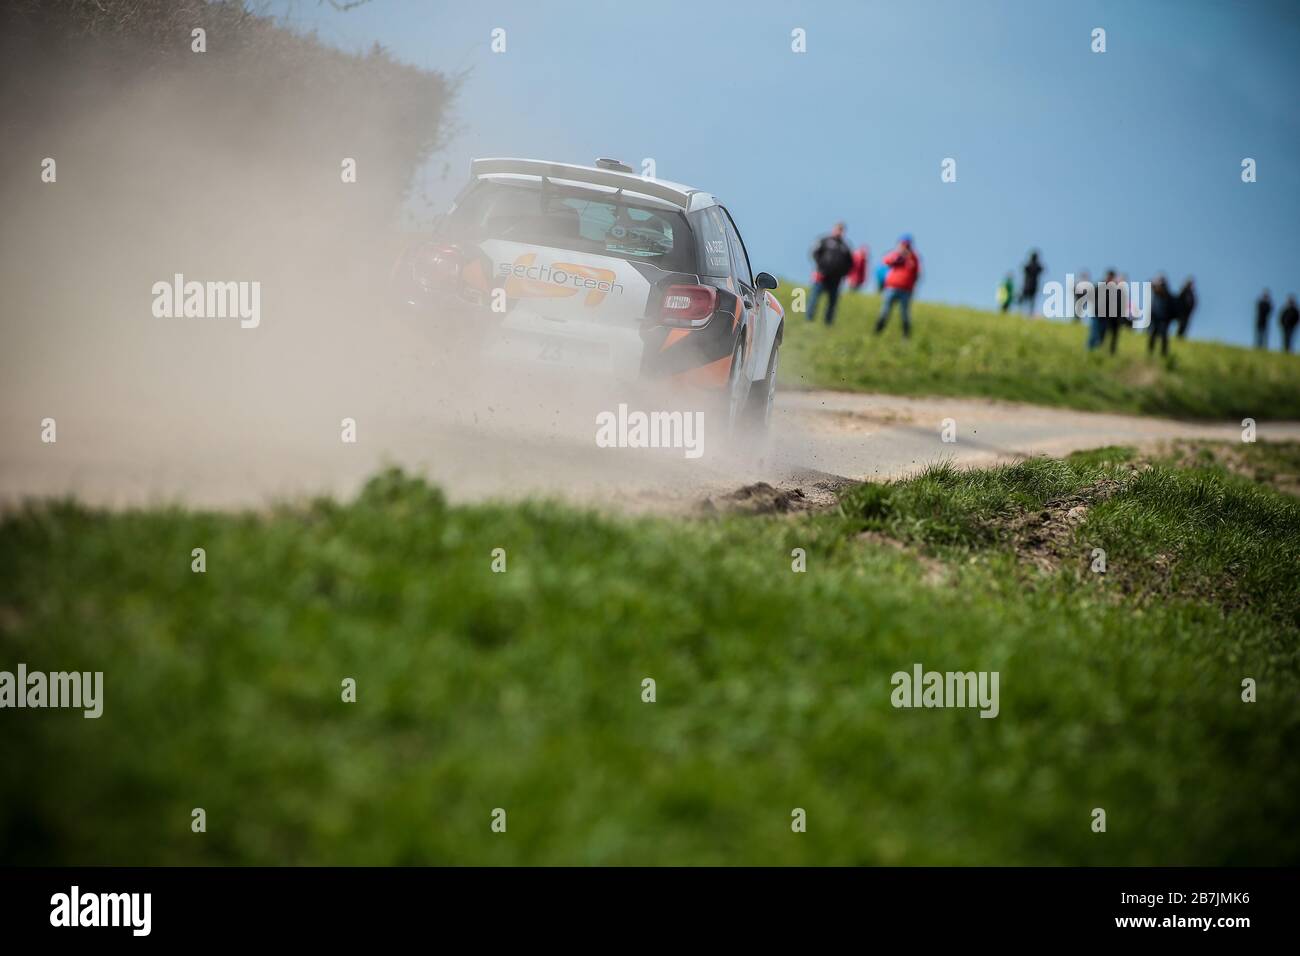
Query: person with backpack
point(904, 271)
point(833, 258)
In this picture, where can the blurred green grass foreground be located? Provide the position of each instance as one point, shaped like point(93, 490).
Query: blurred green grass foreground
point(523, 690)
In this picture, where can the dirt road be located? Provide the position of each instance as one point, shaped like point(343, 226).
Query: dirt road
point(177, 435)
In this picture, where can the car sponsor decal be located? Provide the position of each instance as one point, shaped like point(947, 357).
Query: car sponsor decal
point(716, 255)
point(525, 279)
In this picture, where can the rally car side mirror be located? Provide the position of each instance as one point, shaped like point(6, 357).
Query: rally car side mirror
point(765, 280)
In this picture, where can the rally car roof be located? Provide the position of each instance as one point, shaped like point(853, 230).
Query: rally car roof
point(684, 197)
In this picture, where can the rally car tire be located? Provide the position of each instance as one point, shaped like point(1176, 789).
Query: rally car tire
point(737, 390)
point(762, 396)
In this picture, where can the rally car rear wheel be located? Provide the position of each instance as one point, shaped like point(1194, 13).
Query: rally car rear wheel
point(762, 396)
point(737, 388)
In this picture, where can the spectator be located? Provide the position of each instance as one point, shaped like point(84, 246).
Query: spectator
point(1006, 293)
point(858, 271)
point(904, 271)
point(1163, 308)
point(1029, 291)
point(1111, 309)
point(1186, 306)
point(833, 258)
point(1097, 327)
point(1289, 318)
point(1083, 294)
point(1133, 314)
point(1263, 309)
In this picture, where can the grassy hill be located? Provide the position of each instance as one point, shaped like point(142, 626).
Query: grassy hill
point(957, 351)
point(523, 690)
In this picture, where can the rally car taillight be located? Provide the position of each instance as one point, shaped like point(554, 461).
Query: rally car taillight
point(437, 265)
point(688, 306)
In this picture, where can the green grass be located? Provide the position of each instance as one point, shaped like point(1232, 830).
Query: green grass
point(957, 351)
point(522, 690)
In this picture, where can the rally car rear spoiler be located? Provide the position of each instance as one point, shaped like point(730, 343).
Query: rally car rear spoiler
point(582, 174)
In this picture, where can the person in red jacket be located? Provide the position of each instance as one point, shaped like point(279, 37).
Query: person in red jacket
point(858, 274)
point(904, 270)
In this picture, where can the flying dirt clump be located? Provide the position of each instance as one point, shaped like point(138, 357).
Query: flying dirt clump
point(758, 498)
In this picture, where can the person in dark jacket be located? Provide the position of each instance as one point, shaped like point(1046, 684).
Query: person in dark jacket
point(1186, 306)
point(1029, 291)
point(1263, 309)
point(833, 258)
point(1289, 319)
point(1111, 308)
point(1164, 309)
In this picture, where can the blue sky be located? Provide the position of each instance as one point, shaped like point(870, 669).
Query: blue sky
point(1130, 158)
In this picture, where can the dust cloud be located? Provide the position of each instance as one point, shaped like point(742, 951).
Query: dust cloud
point(180, 169)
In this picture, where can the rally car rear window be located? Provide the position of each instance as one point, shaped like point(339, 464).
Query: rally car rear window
point(579, 220)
